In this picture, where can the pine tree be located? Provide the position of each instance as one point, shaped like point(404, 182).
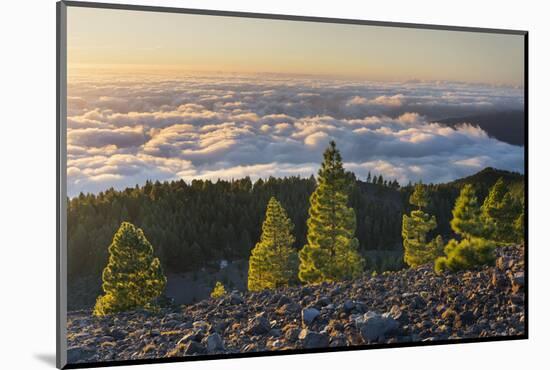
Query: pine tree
point(218, 291)
point(415, 228)
point(273, 262)
point(133, 277)
point(466, 220)
point(473, 250)
point(331, 252)
point(500, 212)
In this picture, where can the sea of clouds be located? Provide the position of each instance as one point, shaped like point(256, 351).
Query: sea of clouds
point(125, 130)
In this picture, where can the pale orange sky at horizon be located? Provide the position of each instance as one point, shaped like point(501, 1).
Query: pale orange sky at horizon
point(125, 41)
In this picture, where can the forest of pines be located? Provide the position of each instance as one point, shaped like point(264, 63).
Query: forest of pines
point(291, 230)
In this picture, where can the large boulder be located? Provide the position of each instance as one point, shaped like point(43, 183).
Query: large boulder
point(375, 327)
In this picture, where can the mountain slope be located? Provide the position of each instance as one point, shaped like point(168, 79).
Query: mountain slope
point(411, 305)
point(508, 126)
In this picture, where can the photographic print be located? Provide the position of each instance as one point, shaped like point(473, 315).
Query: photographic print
point(245, 185)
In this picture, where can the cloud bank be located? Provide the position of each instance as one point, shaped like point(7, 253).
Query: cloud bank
point(123, 131)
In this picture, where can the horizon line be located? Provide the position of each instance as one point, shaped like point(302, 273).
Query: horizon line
point(76, 70)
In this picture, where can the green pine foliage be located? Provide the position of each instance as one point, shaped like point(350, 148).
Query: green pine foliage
point(467, 221)
point(218, 291)
point(500, 213)
point(519, 226)
point(194, 224)
point(273, 262)
point(466, 254)
point(474, 249)
point(133, 278)
point(416, 227)
point(419, 197)
point(331, 252)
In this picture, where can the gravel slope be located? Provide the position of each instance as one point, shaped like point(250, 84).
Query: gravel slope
point(409, 305)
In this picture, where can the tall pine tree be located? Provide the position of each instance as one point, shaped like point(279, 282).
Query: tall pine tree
point(273, 262)
point(331, 252)
point(133, 277)
point(417, 250)
point(467, 220)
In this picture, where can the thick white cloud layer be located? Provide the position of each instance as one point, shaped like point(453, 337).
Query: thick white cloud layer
point(125, 131)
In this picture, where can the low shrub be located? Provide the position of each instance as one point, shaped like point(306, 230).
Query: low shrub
point(466, 254)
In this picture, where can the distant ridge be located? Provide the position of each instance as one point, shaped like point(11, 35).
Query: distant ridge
point(508, 126)
point(488, 176)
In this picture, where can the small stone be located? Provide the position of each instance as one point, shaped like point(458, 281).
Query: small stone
point(323, 301)
point(467, 318)
point(283, 300)
point(221, 326)
point(118, 334)
point(250, 347)
point(259, 325)
point(288, 309)
point(374, 326)
point(309, 315)
point(214, 343)
point(502, 263)
point(448, 315)
point(201, 325)
point(313, 339)
point(517, 299)
point(197, 337)
point(291, 333)
point(274, 332)
point(194, 348)
point(498, 279)
point(518, 281)
point(339, 341)
point(349, 305)
point(236, 299)
point(418, 302)
point(275, 344)
point(397, 314)
point(170, 323)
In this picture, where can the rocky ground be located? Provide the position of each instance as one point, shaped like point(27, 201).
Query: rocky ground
point(406, 306)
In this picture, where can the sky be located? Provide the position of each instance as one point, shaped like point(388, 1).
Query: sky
point(147, 40)
point(157, 96)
